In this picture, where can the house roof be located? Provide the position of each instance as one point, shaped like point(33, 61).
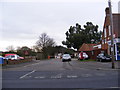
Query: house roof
point(87, 47)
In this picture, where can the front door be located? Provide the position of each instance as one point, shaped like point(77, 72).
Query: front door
point(118, 51)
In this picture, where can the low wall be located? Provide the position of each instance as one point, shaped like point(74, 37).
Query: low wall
point(11, 62)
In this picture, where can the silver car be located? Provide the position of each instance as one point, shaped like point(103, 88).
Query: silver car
point(66, 57)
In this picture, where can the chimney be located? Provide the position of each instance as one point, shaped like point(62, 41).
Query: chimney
point(119, 7)
point(107, 11)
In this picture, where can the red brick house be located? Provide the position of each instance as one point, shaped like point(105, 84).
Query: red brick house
point(91, 49)
point(94, 49)
point(88, 48)
point(106, 36)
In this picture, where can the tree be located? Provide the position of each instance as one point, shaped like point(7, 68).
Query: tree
point(36, 48)
point(76, 35)
point(45, 42)
point(91, 32)
point(24, 51)
point(10, 48)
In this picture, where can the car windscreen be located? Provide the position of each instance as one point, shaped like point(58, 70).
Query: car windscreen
point(66, 55)
point(101, 54)
point(7, 56)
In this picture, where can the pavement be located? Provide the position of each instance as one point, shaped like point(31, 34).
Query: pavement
point(74, 63)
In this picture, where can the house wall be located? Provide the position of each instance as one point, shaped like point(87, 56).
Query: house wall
point(119, 25)
point(98, 51)
point(93, 54)
point(116, 25)
point(89, 53)
point(106, 36)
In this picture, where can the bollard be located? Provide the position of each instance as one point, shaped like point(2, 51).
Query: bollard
point(48, 57)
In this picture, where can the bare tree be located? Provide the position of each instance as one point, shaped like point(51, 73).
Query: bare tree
point(10, 48)
point(36, 48)
point(45, 41)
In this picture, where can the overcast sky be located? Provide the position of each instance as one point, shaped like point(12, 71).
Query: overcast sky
point(23, 21)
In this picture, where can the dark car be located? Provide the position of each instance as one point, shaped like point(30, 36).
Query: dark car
point(103, 57)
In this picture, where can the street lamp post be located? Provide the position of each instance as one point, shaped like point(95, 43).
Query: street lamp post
point(112, 39)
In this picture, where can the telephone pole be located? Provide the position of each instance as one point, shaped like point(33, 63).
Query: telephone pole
point(112, 39)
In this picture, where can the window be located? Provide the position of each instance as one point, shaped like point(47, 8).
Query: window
point(102, 41)
point(105, 32)
point(109, 30)
point(105, 41)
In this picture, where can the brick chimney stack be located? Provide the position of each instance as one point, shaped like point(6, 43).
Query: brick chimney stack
point(119, 7)
point(107, 11)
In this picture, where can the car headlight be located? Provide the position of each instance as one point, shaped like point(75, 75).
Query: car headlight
point(103, 57)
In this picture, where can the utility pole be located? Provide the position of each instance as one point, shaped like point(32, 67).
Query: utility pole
point(112, 39)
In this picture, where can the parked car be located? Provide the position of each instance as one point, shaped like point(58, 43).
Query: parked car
point(9, 54)
point(14, 57)
point(103, 58)
point(66, 57)
point(82, 56)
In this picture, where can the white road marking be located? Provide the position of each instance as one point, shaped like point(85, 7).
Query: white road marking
point(27, 74)
point(72, 76)
point(57, 76)
point(86, 75)
point(35, 63)
point(41, 77)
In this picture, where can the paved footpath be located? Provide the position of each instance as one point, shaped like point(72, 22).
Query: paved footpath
point(58, 63)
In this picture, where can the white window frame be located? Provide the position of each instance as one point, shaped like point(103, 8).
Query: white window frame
point(109, 30)
point(105, 33)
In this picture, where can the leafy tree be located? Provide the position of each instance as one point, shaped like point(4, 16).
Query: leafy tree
point(76, 35)
point(91, 32)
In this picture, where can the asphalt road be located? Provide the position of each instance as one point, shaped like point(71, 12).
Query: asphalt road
point(57, 74)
